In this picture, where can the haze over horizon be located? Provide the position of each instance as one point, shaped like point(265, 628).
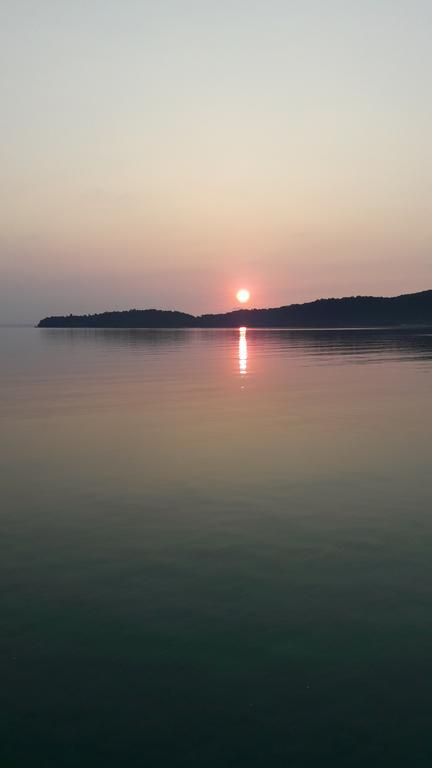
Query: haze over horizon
point(164, 155)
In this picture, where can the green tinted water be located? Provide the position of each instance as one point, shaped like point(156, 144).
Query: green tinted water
point(216, 548)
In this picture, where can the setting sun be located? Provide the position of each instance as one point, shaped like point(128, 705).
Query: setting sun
point(243, 295)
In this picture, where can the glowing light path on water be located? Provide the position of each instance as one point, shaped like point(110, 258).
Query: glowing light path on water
point(242, 351)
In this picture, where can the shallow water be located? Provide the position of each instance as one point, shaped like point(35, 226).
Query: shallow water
point(216, 548)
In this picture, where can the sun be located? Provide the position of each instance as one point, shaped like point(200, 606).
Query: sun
point(243, 295)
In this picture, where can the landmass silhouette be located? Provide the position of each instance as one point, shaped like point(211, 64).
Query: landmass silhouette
point(354, 311)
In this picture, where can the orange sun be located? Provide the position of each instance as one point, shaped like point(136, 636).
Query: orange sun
point(243, 295)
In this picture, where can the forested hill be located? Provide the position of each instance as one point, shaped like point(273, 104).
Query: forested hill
point(354, 311)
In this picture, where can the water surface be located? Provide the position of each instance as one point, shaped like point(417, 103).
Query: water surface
point(216, 548)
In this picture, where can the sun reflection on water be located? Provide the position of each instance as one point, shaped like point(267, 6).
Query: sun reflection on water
point(242, 351)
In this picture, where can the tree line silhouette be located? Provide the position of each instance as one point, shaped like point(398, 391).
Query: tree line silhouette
point(354, 311)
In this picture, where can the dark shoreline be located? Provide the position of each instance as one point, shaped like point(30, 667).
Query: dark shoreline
point(408, 310)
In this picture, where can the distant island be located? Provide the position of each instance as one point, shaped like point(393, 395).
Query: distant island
point(353, 311)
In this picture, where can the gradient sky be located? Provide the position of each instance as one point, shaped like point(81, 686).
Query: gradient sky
point(166, 153)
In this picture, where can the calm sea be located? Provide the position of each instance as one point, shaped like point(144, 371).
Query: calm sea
point(216, 549)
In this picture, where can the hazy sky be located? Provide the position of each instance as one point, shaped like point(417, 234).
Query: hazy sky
point(166, 153)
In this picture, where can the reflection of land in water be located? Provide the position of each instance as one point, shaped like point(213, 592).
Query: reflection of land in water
point(361, 343)
point(117, 337)
point(368, 342)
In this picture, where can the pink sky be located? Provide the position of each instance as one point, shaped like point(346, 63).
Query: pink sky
point(167, 154)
